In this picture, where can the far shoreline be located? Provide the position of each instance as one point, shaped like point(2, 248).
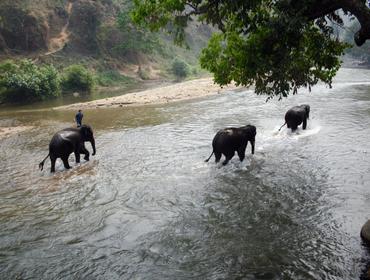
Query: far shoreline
point(159, 95)
point(168, 93)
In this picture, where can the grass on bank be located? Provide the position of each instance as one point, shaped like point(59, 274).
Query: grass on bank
point(112, 77)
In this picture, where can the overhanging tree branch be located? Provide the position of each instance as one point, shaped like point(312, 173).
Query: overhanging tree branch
point(279, 46)
point(359, 9)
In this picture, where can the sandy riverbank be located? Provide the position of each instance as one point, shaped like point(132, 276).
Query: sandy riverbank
point(176, 92)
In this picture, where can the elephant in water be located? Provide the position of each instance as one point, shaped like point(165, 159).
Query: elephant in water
point(297, 115)
point(229, 140)
point(67, 141)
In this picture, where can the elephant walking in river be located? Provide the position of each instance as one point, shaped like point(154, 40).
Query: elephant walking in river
point(297, 115)
point(67, 141)
point(229, 140)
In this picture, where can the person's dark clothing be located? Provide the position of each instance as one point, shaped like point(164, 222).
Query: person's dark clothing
point(79, 117)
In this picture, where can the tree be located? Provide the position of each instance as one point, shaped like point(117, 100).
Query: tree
point(277, 45)
point(77, 77)
point(25, 81)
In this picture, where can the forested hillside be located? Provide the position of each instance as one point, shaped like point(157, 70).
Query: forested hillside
point(96, 33)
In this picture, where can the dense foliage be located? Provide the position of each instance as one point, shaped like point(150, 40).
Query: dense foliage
point(279, 46)
point(180, 68)
point(25, 81)
point(77, 77)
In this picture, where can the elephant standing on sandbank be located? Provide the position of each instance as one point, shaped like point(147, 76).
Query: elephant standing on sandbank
point(67, 141)
point(297, 115)
point(229, 140)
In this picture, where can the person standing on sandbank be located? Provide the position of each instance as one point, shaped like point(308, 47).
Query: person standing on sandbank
point(79, 117)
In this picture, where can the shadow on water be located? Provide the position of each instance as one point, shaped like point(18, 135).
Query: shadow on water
point(148, 207)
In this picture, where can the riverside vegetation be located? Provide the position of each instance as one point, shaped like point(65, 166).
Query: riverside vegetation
point(26, 81)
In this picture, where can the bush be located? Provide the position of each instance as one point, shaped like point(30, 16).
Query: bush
point(8, 66)
point(194, 71)
point(26, 81)
point(180, 68)
point(77, 77)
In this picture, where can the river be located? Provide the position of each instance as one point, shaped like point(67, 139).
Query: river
point(147, 206)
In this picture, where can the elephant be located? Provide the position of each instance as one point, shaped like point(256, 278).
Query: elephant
point(297, 115)
point(67, 141)
point(231, 139)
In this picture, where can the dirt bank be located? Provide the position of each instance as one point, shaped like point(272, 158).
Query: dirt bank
point(176, 92)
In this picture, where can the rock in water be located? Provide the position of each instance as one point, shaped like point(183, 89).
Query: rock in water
point(365, 232)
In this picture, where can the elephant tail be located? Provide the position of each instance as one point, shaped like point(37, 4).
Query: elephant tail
point(41, 165)
point(209, 157)
point(282, 126)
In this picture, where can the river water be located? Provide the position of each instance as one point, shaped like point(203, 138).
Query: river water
point(147, 206)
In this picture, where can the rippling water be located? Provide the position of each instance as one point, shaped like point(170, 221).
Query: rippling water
point(148, 207)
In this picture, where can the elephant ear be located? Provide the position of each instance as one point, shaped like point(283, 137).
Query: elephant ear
point(251, 129)
point(86, 132)
point(254, 130)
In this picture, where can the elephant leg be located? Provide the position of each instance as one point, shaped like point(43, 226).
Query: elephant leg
point(241, 152)
point(217, 156)
point(84, 151)
point(304, 123)
point(77, 155)
point(253, 143)
point(228, 157)
point(65, 162)
point(52, 160)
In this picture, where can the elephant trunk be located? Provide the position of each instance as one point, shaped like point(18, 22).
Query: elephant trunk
point(92, 141)
point(252, 144)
